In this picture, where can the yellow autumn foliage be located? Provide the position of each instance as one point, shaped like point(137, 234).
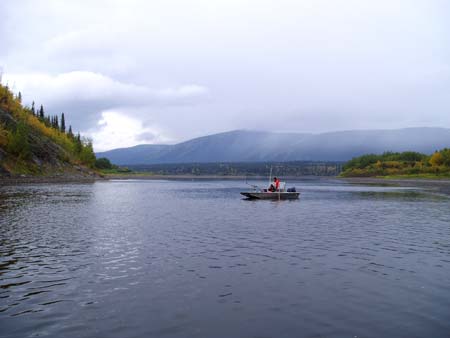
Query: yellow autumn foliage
point(58, 137)
point(73, 149)
point(436, 159)
point(395, 164)
point(9, 103)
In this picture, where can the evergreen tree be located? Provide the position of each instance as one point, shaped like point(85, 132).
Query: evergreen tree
point(56, 122)
point(33, 109)
point(103, 163)
point(78, 144)
point(41, 112)
point(70, 133)
point(63, 123)
point(19, 97)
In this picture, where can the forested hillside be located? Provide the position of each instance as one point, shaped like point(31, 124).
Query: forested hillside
point(399, 164)
point(35, 143)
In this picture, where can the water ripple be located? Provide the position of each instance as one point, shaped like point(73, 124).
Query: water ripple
point(155, 258)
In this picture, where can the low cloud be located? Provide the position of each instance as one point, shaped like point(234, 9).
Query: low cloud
point(146, 137)
point(85, 95)
point(116, 130)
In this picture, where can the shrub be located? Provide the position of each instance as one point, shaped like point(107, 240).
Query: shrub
point(436, 159)
point(18, 141)
point(445, 156)
point(390, 163)
point(103, 163)
point(87, 155)
point(3, 135)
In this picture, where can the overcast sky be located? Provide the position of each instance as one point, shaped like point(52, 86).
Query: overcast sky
point(129, 72)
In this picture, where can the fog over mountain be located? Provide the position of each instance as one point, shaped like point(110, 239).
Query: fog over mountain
point(250, 146)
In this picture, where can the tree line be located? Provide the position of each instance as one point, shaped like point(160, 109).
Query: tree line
point(286, 169)
point(396, 163)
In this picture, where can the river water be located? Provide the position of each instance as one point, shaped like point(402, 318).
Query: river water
point(193, 259)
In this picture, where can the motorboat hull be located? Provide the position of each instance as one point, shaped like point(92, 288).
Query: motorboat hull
point(275, 196)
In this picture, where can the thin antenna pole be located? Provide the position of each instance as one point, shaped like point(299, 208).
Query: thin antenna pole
point(270, 176)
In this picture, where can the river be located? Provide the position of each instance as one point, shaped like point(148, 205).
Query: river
point(193, 259)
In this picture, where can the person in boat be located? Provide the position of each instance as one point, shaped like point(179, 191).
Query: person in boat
point(275, 186)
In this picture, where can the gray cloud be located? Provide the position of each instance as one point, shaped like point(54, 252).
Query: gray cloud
point(185, 69)
point(146, 137)
point(87, 94)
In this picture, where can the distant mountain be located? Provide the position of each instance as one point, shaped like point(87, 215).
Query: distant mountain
point(141, 154)
point(252, 146)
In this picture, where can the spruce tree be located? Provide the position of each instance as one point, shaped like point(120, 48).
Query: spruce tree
point(70, 131)
point(19, 97)
point(78, 144)
point(63, 123)
point(41, 112)
point(33, 110)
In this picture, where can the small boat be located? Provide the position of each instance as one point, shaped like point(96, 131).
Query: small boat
point(269, 194)
point(275, 196)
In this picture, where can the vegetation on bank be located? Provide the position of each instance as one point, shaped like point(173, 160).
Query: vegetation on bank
point(397, 165)
point(107, 168)
point(104, 163)
point(32, 141)
point(284, 169)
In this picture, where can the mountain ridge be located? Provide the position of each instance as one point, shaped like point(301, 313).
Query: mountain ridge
point(254, 146)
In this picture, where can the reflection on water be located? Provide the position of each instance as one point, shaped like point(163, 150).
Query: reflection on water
point(193, 259)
